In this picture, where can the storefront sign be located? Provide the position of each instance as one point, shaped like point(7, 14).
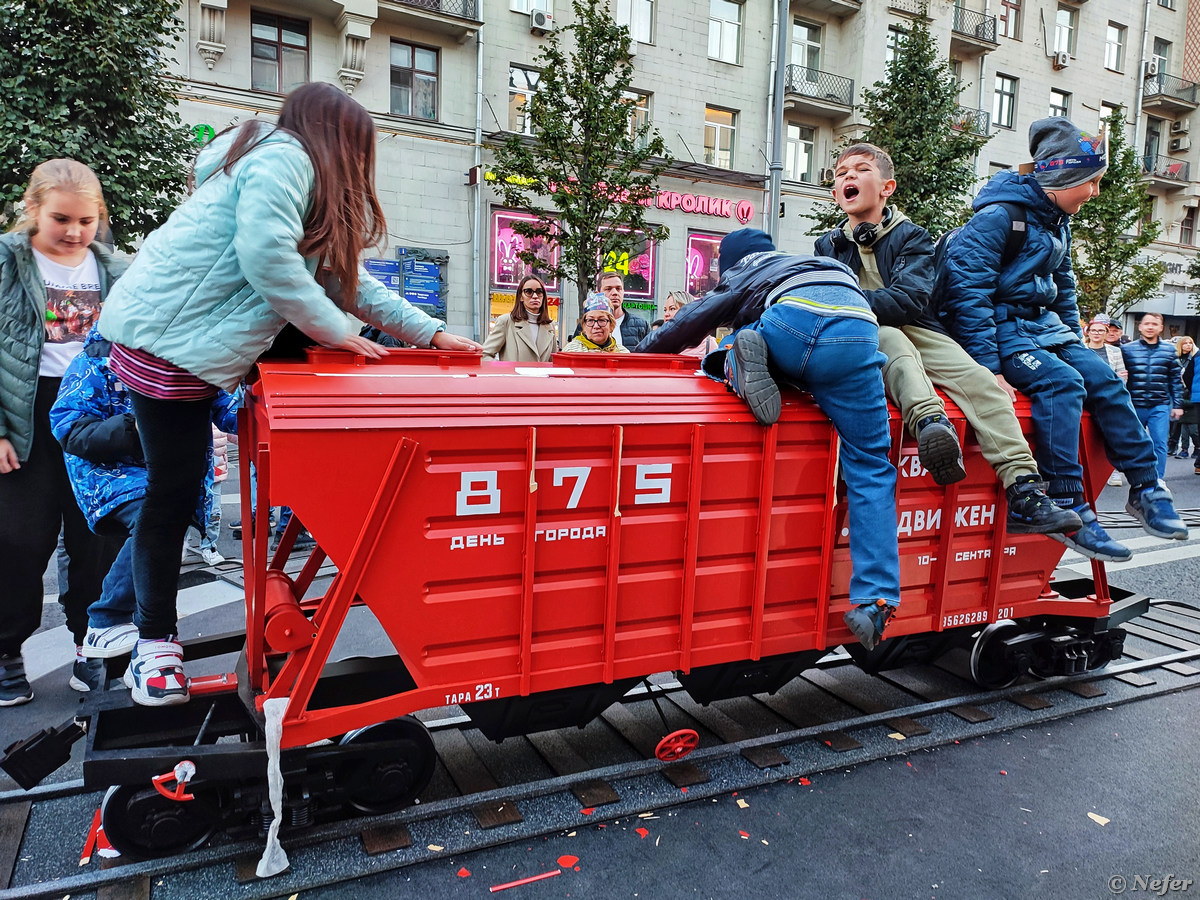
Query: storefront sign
point(742, 210)
point(636, 268)
point(702, 250)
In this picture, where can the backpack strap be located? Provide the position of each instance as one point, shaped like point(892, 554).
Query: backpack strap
point(1017, 232)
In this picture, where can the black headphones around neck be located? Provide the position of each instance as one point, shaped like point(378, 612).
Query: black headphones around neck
point(864, 233)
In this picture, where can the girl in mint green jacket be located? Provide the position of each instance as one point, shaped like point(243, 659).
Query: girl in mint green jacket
point(279, 216)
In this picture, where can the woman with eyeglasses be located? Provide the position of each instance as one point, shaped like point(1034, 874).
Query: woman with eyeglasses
point(527, 333)
point(597, 324)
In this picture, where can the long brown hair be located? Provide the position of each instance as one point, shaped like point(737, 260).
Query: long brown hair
point(338, 135)
point(521, 314)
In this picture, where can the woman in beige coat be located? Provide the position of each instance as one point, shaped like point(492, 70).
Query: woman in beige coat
point(527, 333)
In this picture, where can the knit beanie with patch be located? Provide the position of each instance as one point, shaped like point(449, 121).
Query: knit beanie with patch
point(1063, 155)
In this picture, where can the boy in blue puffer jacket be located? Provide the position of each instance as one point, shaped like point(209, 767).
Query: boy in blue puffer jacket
point(93, 420)
point(1022, 323)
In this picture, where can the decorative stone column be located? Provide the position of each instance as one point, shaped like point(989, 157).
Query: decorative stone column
point(210, 40)
point(356, 31)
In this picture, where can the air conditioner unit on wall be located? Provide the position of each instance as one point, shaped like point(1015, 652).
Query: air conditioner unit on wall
point(1180, 126)
point(1062, 59)
point(1151, 68)
point(540, 21)
point(827, 175)
point(1181, 144)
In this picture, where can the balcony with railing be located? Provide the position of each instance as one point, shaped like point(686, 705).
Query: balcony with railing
point(837, 8)
point(972, 121)
point(972, 32)
point(459, 18)
point(1169, 93)
point(1166, 173)
point(821, 93)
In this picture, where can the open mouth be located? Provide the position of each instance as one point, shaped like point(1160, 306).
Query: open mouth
point(850, 191)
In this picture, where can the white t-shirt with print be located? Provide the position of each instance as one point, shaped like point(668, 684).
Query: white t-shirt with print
point(72, 308)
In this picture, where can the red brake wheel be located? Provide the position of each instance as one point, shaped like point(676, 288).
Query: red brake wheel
point(677, 745)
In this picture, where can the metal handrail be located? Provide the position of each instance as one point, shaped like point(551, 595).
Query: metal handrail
point(974, 24)
point(463, 9)
point(976, 121)
point(1163, 84)
point(810, 82)
point(1167, 167)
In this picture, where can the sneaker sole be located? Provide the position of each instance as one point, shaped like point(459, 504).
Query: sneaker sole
point(1149, 529)
point(939, 452)
point(1090, 554)
point(1024, 528)
point(862, 628)
point(17, 701)
point(141, 698)
point(82, 686)
point(755, 384)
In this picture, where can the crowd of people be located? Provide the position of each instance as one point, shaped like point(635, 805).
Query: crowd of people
point(116, 378)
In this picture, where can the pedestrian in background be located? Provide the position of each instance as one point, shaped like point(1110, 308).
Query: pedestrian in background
point(1177, 439)
point(1154, 384)
point(526, 334)
point(188, 319)
point(677, 300)
point(53, 279)
point(598, 326)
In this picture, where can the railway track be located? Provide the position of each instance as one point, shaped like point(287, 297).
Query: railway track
point(484, 794)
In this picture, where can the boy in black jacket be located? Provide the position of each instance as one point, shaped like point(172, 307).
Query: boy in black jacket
point(893, 259)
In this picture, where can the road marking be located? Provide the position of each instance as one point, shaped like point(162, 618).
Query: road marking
point(54, 648)
point(1141, 560)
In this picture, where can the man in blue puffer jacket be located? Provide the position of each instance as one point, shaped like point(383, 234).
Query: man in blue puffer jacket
point(93, 420)
point(1154, 384)
point(1022, 323)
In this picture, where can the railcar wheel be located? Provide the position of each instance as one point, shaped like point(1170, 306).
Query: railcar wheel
point(990, 666)
point(386, 781)
point(677, 745)
point(143, 824)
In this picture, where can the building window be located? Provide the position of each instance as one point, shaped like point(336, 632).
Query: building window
point(798, 153)
point(1167, 4)
point(278, 52)
point(1004, 103)
point(724, 30)
point(1154, 135)
point(1114, 47)
point(894, 35)
point(521, 6)
point(1060, 103)
point(1064, 30)
point(806, 44)
point(719, 128)
point(1187, 228)
point(522, 84)
point(1010, 19)
point(1106, 111)
point(638, 17)
point(414, 81)
point(639, 110)
point(1162, 54)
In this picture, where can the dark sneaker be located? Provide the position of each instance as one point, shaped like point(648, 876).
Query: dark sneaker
point(1154, 509)
point(866, 621)
point(1093, 541)
point(87, 675)
point(747, 372)
point(155, 674)
point(14, 686)
point(938, 450)
point(105, 643)
point(1031, 511)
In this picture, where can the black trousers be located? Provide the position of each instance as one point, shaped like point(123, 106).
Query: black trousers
point(35, 502)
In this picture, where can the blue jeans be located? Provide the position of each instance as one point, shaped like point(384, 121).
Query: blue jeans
point(117, 598)
point(1157, 421)
point(837, 360)
point(1060, 383)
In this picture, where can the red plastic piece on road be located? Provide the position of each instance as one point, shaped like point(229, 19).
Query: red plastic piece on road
point(677, 745)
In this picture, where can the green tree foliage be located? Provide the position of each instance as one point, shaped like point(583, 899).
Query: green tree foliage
point(595, 171)
point(85, 79)
point(1110, 233)
point(914, 114)
point(1193, 272)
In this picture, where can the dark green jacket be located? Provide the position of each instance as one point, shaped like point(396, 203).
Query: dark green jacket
point(23, 331)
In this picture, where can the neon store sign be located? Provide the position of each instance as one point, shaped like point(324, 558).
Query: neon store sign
point(702, 251)
point(507, 266)
point(742, 210)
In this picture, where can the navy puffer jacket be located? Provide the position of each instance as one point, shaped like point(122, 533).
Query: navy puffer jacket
point(1153, 374)
point(1030, 305)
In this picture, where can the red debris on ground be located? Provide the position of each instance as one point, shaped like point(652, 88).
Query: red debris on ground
point(588, 811)
point(567, 861)
point(643, 832)
point(464, 872)
point(520, 881)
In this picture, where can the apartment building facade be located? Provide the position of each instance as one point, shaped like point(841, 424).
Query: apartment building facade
point(445, 78)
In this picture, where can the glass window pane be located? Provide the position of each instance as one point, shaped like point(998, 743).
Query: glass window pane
point(264, 51)
point(295, 33)
point(426, 60)
point(401, 92)
point(425, 97)
point(264, 74)
point(401, 55)
point(262, 26)
point(295, 69)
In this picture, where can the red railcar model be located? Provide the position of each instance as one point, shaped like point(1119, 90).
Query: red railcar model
point(535, 540)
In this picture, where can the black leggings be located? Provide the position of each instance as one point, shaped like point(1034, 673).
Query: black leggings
point(175, 436)
point(35, 501)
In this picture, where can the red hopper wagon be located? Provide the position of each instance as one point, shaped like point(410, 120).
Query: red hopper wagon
point(534, 541)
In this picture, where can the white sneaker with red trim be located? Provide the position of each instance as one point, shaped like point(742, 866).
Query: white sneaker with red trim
point(155, 674)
